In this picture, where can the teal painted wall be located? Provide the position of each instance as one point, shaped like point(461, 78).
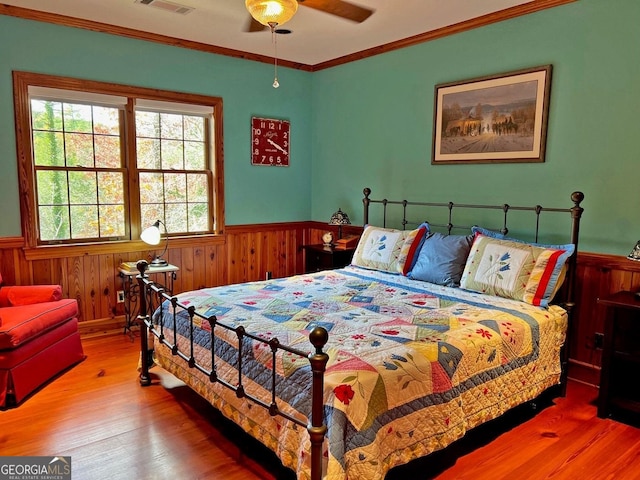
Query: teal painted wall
point(373, 121)
point(370, 123)
point(253, 194)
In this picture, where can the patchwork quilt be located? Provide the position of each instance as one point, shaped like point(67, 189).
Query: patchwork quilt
point(412, 365)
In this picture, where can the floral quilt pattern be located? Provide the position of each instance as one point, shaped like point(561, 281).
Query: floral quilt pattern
point(412, 365)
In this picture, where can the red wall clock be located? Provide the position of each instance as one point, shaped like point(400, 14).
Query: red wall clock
point(270, 142)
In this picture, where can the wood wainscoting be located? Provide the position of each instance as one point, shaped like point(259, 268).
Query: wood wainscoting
point(246, 253)
point(89, 273)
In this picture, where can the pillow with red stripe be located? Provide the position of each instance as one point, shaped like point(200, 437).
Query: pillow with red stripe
point(411, 248)
point(522, 271)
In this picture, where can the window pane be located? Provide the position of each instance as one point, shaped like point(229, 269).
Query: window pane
point(48, 149)
point(52, 187)
point(175, 188)
point(84, 221)
point(83, 188)
point(112, 221)
point(197, 187)
point(111, 188)
point(172, 155)
point(194, 156)
point(107, 151)
point(77, 118)
point(194, 128)
point(106, 120)
point(171, 126)
point(151, 188)
point(147, 124)
point(198, 217)
point(46, 115)
point(176, 214)
point(150, 213)
point(79, 150)
point(54, 223)
point(148, 153)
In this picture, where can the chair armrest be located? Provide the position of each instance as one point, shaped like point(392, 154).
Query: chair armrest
point(14, 296)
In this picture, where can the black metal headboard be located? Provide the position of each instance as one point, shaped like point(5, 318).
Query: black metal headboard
point(575, 211)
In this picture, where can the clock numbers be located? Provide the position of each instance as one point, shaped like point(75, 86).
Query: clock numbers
point(270, 141)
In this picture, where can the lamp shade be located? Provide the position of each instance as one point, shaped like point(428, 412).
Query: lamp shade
point(339, 218)
point(272, 12)
point(151, 236)
point(635, 253)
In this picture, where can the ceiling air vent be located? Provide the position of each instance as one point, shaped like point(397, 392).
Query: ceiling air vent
point(167, 6)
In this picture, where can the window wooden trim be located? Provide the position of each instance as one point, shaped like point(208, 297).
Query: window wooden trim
point(28, 206)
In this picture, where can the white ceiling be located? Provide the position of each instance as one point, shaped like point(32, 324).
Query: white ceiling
point(317, 36)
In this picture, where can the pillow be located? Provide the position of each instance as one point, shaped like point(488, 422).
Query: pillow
point(442, 259)
point(386, 249)
point(522, 271)
point(500, 236)
point(494, 234)
point(491, 233)
point(411, 248)
point(32, 294)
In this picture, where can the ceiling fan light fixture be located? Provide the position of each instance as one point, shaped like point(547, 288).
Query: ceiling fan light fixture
point(272, 13)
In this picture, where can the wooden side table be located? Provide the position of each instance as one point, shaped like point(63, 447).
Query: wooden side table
point(619, 395)
point(130, 288)
point(326, 257)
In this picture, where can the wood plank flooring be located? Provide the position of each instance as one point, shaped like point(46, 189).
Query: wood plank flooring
point(114, 429)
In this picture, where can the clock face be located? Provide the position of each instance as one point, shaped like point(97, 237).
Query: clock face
point(270, 142)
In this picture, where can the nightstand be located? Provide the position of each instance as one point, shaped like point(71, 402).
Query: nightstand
point(619, 395)
point(130, 289)
point(326, 257)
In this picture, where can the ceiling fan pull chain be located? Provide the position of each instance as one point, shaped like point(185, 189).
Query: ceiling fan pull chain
point(274, 37)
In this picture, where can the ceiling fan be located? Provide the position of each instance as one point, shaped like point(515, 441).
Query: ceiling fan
point(339, 8)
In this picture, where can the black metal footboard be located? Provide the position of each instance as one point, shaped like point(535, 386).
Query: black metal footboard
point(318, 360)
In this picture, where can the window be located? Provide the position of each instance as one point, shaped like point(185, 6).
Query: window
point(100, 162)
point(171, 156)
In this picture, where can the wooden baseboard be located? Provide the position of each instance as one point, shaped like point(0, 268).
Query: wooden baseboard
point(102, 327)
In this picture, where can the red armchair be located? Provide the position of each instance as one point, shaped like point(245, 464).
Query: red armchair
point(39, 338)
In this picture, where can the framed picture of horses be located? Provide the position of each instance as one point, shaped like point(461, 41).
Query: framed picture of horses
point(494, 119)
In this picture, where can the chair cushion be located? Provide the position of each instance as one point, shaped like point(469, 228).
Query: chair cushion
point(21, 324)
point(27, 294)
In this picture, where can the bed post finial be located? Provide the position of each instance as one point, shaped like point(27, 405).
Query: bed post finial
point(142, 266)
point(366, 202)
point(317, 428)
point(577, 198)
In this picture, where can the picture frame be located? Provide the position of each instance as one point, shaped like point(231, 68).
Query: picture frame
point(493, 119)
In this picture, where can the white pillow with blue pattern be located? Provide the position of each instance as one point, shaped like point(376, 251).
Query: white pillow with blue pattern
point(509, 268)
point(387, 249)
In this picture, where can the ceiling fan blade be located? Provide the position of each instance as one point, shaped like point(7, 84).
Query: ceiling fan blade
point(253, 25)
point(339, 8)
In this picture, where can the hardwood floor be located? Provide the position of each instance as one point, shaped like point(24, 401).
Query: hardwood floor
point(114, 429)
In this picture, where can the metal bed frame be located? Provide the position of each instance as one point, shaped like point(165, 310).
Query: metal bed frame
point(318, 337)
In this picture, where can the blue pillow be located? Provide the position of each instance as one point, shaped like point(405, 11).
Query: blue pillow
point(442, 259)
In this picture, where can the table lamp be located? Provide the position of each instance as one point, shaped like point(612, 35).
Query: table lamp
point(151, 236)
point(339, 218)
